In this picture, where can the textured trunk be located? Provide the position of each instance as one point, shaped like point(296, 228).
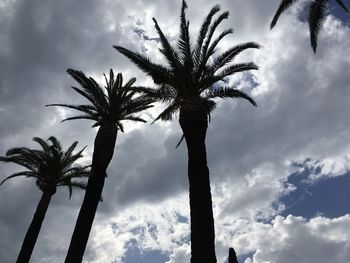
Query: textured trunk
point(194, 125)
point(34, 229)
point(103, 152)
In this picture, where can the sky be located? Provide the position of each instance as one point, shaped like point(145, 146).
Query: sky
point(279, 172)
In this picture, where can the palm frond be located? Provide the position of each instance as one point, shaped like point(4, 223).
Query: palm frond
point(119, 80)
point(183, 42)
point(214, 44)
point(87, 117)
point(203, 32)
point(25, 173)
point(167, 50)
point(75, 185)
point(230, 70)
point(208, 106)
point(55, 143)
point(120, 127)
point(42, 143)
point(212, 29)
point(316, 16)
point(180, 141)
point(158, 73)
point(130, 83)
point(228, 93)
point(70, 150)
point(167, 114)
point(285, 4)
point(88, 109)
point(91, 90)
point(340, 2)
point(162, 93)
point(68, 159)
point(25, 157)
point(134, 118)
point(227, 56)
point(205, 55)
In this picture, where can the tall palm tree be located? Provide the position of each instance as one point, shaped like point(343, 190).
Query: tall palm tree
point(107, 107)
point(194, 76)
point(51, 167)
point(317, 12)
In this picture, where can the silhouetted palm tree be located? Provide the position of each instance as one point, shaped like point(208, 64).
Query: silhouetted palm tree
point(232, 257)
point(188, 85)
point(108, 108)
point(51, 167)
point(317, 11)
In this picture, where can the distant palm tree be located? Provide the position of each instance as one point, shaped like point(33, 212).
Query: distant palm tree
point(232, 257)
point(188, 85)
point(108, 107)
point(51, 167)
point(317, 12)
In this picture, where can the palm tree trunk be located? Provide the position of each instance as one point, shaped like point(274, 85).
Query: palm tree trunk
point(194, 125)
point(34, 228)
point(103, 152)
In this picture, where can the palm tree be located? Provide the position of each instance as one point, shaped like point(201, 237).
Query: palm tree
point(189, 84)
point(317, 11)
point(232, 257)
point(51, 167)
point(108, 107)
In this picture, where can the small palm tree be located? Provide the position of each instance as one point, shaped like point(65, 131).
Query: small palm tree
point(317, 12)
point(108, 107)
point(232, 257)
point(51, 167)
point(193, 78)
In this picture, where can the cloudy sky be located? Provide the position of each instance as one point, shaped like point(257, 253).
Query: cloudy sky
point(279, 172)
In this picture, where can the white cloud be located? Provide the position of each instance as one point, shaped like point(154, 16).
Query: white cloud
point(294, 239)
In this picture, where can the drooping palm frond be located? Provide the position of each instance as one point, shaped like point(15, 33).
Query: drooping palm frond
point(24, 173)
point(43, 144)
point(340, 2)
point(112, 104)
point(159, 73)
point(285, 4)
point(317, 12)
point(231, 69)
point(51, 167)
point(227, 56)
point(94, 93)
point(228, 93)
point(168, 112)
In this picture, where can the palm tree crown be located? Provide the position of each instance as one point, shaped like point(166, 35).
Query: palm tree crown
point(51, 166)
point(317, 12)
point(109, 105)
point(190, 78)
